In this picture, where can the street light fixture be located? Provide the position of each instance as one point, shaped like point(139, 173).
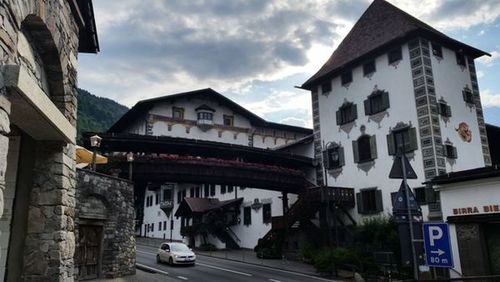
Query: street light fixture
point(130, 159)
point(95, 142)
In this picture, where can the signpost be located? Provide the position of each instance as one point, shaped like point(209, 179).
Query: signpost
point(437, 245)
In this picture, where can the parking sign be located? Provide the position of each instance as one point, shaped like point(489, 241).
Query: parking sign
point(437, 245)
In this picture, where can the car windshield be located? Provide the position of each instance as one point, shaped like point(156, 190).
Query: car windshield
point(179, 248)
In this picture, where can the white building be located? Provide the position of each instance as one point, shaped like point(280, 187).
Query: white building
point(207, 115)
point(396, 83)
point(471, 205)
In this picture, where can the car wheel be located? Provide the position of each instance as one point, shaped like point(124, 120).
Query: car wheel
point(170, 261)
point(158, 260)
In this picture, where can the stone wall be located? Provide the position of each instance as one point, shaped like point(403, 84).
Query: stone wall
point(41, 37)
point(108, 201)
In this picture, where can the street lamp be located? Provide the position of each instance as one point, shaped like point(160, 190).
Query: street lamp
point(130, 159)
point(95, 142)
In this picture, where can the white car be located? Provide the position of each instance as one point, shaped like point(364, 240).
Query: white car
point(175, 253)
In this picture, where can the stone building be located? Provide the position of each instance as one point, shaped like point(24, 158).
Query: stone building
point(104, 226)
point(39, 45)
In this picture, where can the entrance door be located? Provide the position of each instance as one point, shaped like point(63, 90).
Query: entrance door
point(492, 234)
point(88, 252)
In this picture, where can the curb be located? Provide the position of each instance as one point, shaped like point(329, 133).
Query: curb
point(145, 268)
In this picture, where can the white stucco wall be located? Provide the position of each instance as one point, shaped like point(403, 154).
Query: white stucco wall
point(449, 80)
point(247, 234)
point(398, 82)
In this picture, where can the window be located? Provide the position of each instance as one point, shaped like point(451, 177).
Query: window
point(205, 116)
point(165, 225)
point(467, 94)
point(425, 195)
point(212, 189)
point(266, 213)
point(206, 190)
point(444, 109)
point(326, 87)
point(152, 227)
point(171, 224)
point(230, 188)
point(348, 112)
point(402, 139)
point(437, 50)
point(364, 149)
point(247, 215)
point(369, 201)
point(159, 226)
point(377, 102)
point(167, 192)
point(179, 197)
point(369, 67)
point(223, 189)
point(450, 151)
point(460, 59)
point(157, 199)
point(333, 157)
point(346, 77)
point(191, 192)
point(395, 55)
point(228, 120)
point(197, 192)
point(178, 113)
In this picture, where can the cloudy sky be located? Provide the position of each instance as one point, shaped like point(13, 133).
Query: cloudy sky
point(256, 51)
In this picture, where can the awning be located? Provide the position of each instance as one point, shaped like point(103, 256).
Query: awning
point(84, 156)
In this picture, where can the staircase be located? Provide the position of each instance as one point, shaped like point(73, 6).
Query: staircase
point(228, 237)
point(306, 206)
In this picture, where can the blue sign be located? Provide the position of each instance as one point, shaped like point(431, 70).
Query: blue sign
point(437, 245)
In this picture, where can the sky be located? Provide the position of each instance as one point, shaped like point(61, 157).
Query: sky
point(256, 51)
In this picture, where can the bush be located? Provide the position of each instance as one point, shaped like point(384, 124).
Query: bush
point(328, 260)
point(207, 247)
point(308, 253)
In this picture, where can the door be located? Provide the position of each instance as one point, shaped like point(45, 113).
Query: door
point(88, 252)
point(492, 234)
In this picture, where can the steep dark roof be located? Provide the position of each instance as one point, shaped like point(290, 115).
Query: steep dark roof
point(467, 175)
point(493, 133)
point(83, 12)
point(143, 106)
point(381, 25)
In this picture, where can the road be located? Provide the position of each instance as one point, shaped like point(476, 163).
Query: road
point(214, 269)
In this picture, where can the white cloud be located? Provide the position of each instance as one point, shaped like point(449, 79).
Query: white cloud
point(488, 99)
point(489, 61)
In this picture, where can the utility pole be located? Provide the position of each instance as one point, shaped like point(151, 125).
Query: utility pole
point(410, 219)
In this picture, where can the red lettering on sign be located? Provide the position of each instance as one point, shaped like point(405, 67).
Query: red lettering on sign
point(455, 211)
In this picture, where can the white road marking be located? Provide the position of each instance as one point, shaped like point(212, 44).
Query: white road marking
point(148, 253)
point(182, 277)
point(152, 269)
point(274, 280)
point(224, 269)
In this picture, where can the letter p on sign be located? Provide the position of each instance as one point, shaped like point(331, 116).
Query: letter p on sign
point(435, 233)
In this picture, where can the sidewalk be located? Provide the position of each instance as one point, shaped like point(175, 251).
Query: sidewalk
point(140, 276)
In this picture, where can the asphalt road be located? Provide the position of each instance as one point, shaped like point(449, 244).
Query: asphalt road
point(214, 269)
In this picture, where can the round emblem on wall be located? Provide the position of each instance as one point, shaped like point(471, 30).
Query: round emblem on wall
point(464, 132)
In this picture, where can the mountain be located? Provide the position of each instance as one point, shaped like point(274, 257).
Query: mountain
point(96, 113)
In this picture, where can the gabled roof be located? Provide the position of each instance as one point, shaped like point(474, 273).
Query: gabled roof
point(142, 107)
point(189, 206)
point(381, 25)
